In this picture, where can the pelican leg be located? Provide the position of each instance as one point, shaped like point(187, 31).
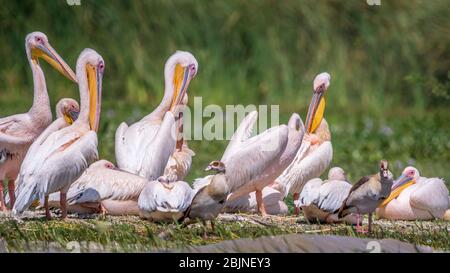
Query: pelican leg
point(47, 210)
point(63, 204)
point(260, 203)
point(11, 192)
point(2, 198)
point(296, 196)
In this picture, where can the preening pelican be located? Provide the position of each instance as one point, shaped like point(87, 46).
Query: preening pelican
point(316, 152)
point(415, 198)
point(164, 200)
point(145, 147)
point(61, 157)
point(105, 189)
point(367, 194)
point(180, 161)
point(17, 132)
point(252, 163)
point(321, 200)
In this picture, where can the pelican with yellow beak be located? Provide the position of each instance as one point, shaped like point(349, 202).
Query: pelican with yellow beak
point(144, 148)
point(316, 152)
point(61, 157)
point(415, 198)
point(17, 132)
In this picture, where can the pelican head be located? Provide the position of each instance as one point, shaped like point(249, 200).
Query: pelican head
point(317, 105)
point(103, 163)
point(90, 67)
point(179, 70)
point(408, 177)
point(217, 166)
point(37, 46)
point(337, 173)
point(68, 109)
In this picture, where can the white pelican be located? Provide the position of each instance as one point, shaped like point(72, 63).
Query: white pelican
point(180, 161)
point(17, 132)
point(273, 203)
point(145, 147)
point(321, 200)
point(105, 189)
point(367, 194)
point(61, 157)
point(164, 200)
point(415, 198)
point(253, 163)
point(316, 152)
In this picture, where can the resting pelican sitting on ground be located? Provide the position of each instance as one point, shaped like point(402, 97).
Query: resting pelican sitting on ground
point(61, 157)
point(415, 198)
point(316, 152)
point(252, 163)
point(17, 132)
point(165, 200)
point(321, 200)
point(273, 203)
point(145, 147)
point(105, 189)
point(367, 194)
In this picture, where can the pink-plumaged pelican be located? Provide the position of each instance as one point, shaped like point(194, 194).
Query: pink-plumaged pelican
point(17, 132)
point(67, 111)
point(165, 200)
point(103, 188)
point(415, 198)
point(316, 151)
point(145, 147)
point(252, 163)
point(62, 156)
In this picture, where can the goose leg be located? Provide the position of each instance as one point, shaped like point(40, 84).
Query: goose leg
point(296, 196)
point(2, 198)
point(11, 192)
point(63, 204)
point(47, 210)
point(260, 203)
point(370, 222)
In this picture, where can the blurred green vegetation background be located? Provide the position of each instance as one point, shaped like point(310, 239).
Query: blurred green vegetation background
point(390, 66)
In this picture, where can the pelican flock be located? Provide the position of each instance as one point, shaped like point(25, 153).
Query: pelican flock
point(60, 157)
point(57, 163)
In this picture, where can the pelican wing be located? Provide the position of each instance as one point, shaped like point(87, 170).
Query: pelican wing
point(243, 132)
point(306, 165)
point(155, 197)
point(254, 156)
point(432, 196)
point(144, 149)
point(202, 182)
point(332, 194)
point(310, 193)
point(56, 163)
point(97, 184)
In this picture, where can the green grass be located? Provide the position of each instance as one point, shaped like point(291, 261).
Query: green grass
point(389, 95)
point(132, 234)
